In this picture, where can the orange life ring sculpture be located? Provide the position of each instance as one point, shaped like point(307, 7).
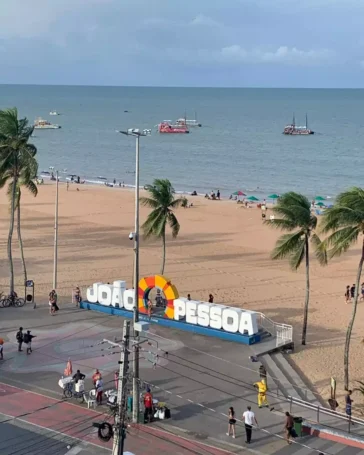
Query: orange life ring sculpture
point(164, 284)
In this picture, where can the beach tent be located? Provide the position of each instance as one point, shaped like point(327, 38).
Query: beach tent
point(252, 198)
point(319, 198)
point(239, 193)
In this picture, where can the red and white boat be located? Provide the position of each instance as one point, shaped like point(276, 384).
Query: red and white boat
point(167, 128)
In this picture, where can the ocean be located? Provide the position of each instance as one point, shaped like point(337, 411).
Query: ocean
point(240, 145)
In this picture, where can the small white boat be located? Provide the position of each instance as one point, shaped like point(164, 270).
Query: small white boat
point(53, 113)
point(41, 124)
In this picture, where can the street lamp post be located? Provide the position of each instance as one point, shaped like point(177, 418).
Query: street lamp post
point(55, 253)
point(137, 134)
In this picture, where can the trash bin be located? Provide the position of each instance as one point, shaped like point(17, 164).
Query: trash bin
point(297, 425)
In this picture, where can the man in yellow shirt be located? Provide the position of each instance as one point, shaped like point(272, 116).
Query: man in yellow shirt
point(262, 391)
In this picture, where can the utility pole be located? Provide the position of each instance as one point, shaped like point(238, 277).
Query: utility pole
point(137, 134)
point(55, 247)
point(119, 426)
point(136, 286)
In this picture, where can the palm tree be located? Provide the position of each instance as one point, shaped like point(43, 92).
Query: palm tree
point(345, 224)
point(16, 164)
point(163, 202)
point(294, 216)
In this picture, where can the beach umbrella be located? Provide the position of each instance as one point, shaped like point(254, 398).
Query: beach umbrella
point(319, 198)
point(273, 196)
point(68, 369)
point(320, 204)
point(252, 198)
point(239, 193)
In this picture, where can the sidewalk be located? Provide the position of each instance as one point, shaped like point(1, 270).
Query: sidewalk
point(75, 422)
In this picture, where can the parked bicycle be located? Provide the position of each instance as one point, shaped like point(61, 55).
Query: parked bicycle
point(11, 300)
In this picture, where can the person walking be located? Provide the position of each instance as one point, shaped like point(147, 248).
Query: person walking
point(1, 349)
point(211, 298)
point(99, 389)
point(150, 308)
point(288, 426)
point(77, 296)
point(231, 423)
point(28, 341)
point(53, 302)
point(148, 406)
point(262, 393)
point(95, 377)
point(20, 338)
point(249, 420)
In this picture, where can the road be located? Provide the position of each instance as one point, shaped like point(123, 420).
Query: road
point(199, 378)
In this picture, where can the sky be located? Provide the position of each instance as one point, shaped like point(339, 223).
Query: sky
point(230, 43)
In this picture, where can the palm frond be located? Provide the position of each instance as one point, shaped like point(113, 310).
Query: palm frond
point(320, 249)
point(173, 224)
point(298, 254)
point(287, 244)
point(149, 202)
point(341, 240)
point(282, 224)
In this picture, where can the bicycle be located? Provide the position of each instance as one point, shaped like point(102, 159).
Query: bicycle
point(69, 393)
point(11, 300)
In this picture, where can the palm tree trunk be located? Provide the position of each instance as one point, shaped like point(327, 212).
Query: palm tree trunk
point(307, 297)
point(20, 240)
point(163, 251)
point(352, 320)
point(11, 230)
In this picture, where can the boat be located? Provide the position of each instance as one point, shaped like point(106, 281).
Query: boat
point(41, 124)
point(184, 121)
point(166, 127)
point(53, 113)
point(294, 130)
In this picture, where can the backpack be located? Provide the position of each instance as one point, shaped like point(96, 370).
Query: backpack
point(19, 337)
point(26, 338)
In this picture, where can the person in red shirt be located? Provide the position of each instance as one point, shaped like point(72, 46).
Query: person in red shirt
point(96, 376)
point(148, 405)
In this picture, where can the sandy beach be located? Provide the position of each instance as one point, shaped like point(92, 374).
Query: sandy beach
point(222, 249)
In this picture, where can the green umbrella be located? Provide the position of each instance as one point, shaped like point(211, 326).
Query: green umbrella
point(273, 196)
point(319, 198)
point(252, 198)
point(320, 204)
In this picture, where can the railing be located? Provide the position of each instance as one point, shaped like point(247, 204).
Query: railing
point(339, 419)
point(282, 332)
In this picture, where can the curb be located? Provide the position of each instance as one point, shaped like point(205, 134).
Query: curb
point(333, 435)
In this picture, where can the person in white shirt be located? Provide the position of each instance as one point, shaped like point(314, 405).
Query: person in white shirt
point(99, 388)
point(249, 420)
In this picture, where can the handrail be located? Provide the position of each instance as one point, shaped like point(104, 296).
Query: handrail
point(275, 329)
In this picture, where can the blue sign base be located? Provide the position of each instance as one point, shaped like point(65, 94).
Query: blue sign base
point(171, 323)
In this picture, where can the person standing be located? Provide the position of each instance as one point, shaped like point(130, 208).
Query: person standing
point(20, 338)
point(1, 349)
point(99, 389)
point(188, 296)
point(352, 291)
point(249, 420)
point(28, 341)
point(77, 296)
point(288, 426)
point(262, 391)
point(148, 406)
point(53, 302)
point(347, 294)
point(211, 298)
point(348, 405)
point(95, 377)
point(231, 422)
point(150, 308)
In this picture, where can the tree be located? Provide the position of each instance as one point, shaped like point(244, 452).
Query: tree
point(163, 203)
point(344, 223)
point(17, 162)
point(294, 216)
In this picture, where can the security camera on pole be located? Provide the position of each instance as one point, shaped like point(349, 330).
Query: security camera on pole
point(135, 235)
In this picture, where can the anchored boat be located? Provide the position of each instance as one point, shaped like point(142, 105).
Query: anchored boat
point(294, 130)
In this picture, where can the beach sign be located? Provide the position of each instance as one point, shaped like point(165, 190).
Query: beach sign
point(179, 312)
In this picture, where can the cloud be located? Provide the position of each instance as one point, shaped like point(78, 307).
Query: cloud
point(283, 55)
point(201, 20)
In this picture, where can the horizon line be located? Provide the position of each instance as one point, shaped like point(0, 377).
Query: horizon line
point(182, 86)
